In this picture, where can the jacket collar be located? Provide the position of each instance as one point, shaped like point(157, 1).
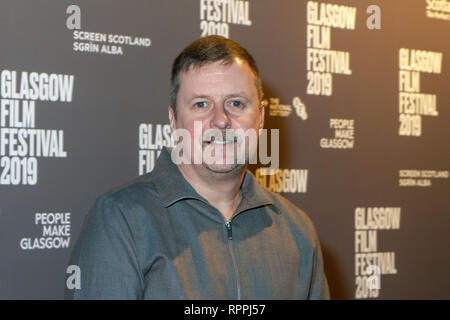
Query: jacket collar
point(173, 187)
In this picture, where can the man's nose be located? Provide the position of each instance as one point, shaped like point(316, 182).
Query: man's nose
point(220, 119)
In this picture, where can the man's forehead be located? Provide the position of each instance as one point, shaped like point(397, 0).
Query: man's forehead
point(223, 78)
point(225, 96)
point(217, 82)
point(224, 64)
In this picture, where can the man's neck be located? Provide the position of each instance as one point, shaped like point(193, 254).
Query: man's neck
point(222, 190)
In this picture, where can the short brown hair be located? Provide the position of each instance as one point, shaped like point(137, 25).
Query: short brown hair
point(207, 50)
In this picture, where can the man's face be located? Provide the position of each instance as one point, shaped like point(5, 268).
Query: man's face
point(222, 98)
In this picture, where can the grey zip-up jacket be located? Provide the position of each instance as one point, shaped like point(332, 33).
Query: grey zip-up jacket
point(157, 238)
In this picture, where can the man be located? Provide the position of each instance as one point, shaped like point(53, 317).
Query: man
point(202, 229)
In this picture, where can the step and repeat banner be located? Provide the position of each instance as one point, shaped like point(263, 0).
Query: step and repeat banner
point(359, 90)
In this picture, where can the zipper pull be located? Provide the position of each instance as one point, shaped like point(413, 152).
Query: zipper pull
point(230, 230)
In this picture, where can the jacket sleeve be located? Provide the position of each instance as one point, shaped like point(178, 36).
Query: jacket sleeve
point(106, 256)
point(319, 285)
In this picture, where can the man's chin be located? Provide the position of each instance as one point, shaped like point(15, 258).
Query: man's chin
point(223, 168)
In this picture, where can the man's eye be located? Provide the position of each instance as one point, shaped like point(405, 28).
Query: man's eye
point(236, 103)
point(200, 104)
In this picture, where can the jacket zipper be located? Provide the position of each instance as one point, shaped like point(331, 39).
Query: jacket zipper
point(229, 229)
point(230, 245)
point(233, 259)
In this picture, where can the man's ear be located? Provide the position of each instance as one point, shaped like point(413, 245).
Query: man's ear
point(172, 119)
point(262, 109)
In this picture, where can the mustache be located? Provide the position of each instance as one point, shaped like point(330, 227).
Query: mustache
point(227, 136)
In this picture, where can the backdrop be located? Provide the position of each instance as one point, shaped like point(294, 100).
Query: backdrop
point(358, 89)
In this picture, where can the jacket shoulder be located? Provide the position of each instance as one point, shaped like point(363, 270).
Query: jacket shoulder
point(296, 216)
point(134, 190)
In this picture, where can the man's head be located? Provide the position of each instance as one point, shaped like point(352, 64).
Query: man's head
point(207, 50)
point(215, 83)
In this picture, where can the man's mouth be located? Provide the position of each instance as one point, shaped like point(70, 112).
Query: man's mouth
point(220, 142)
